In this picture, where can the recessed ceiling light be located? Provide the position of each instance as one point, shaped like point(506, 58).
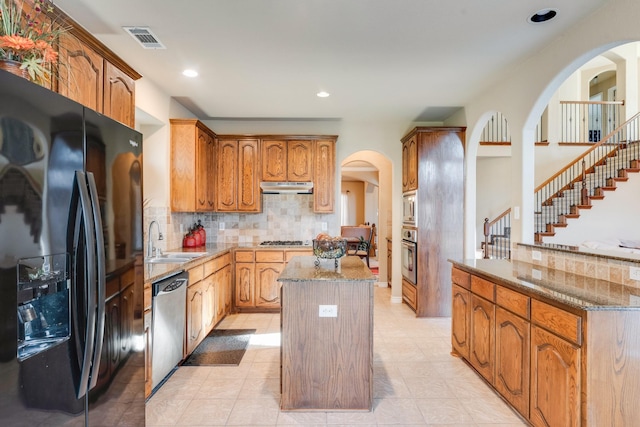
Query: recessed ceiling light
point(190, 73)
point(322, 94)
point(543, 15)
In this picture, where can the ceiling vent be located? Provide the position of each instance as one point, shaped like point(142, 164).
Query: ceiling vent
point(145, 37)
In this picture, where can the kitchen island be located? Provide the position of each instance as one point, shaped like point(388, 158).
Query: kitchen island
point(563, 349)
point(327, 335)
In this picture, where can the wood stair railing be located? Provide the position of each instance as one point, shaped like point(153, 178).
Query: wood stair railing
point(587, 178)
point(497, 237)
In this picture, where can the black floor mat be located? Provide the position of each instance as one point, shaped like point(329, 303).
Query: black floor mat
point(221, 347)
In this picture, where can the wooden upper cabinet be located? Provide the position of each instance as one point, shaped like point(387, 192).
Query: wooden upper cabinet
point(192, 166)
point(81, 73)
point(410, 164)
point(324, 176)
point(300, 161)
point(274, 160)
point(238, 186)
point(284, 160)
point(119, 95)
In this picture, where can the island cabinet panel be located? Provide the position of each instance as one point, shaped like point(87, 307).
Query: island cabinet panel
point(555, 380)
point(324, 176)
point(482, 340)
point(327, 362)
point(512, 359)
point(460, 320)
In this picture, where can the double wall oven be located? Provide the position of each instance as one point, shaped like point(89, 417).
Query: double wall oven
point(409, 255)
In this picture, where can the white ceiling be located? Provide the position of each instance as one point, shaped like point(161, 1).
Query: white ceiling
point(412, 60)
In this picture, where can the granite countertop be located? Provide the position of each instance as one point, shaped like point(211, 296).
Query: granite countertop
point(155, 272)
point(582, 292)
point(303, 269)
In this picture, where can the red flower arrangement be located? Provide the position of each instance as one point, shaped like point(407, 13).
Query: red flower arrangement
point(29, 37)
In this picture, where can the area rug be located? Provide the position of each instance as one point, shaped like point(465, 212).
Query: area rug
point(221, 347)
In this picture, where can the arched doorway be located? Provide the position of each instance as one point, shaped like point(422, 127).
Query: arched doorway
point(367, 175)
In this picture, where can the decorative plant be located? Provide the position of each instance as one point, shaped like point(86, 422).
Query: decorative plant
point(28, 37)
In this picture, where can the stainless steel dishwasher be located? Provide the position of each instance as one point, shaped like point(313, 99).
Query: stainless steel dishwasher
point(168, 325)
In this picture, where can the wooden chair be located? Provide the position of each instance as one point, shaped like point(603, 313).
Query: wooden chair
point(358, 240)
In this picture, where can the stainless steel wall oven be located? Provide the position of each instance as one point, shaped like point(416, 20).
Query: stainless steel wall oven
point(409, 255)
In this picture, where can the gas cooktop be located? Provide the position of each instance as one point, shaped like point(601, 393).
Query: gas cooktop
point(282, 243)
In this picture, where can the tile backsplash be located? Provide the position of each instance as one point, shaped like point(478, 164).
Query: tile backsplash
point(283, 217)
point(613, 268)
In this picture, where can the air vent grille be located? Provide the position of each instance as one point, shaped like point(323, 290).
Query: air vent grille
point(145, 37)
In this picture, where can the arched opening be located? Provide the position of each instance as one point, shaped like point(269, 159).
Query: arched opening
point(366, 197)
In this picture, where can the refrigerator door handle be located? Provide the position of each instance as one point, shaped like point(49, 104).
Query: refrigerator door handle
point(101, 271)
point(89, 286)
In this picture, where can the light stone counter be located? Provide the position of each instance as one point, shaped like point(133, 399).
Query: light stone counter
point(303, 268)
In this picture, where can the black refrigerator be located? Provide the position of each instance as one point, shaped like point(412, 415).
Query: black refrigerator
point(71, 260)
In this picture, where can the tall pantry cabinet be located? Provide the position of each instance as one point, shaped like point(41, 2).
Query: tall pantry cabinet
point(433, 165)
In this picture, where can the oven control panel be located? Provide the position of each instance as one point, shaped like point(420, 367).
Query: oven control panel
point(409, 234)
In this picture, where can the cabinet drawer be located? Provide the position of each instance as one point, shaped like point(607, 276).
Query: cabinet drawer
point(460, 278)
point(513, 301)
point(409, 294)
point(269, 256)
point(196, 274)
point(216, 264)
point(558, 321)
point(244, 256)
point(290, 254)
point(483, 288)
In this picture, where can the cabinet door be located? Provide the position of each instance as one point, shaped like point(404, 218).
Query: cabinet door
point(249, 196)
point(81, 72)
point(195, 302)
point(127, 302)
point(119, 95)
point(227, 172)
point(482, 339)
point(410, 164)
point(204, 178)
point(245, 285)
point(183, 161)
point(226, 281)
point(267, 286)
point(512, 359)
point(460, 320)
point(555, 380)
point(148, 356)
point(208, 305)
point(324, 180)
point(220, 289)
point(274, 160)
point(299, 161)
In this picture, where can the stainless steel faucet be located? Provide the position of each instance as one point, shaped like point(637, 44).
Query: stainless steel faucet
point(151, 250)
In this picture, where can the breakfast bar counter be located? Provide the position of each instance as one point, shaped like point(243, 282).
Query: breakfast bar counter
point(327, 335)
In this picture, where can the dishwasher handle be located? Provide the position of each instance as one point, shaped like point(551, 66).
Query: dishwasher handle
point(167, 288)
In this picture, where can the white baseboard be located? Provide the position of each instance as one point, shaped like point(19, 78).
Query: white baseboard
point(396, 300)
point(383, 285)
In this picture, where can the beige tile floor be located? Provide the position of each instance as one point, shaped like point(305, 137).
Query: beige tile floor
point(416, 381)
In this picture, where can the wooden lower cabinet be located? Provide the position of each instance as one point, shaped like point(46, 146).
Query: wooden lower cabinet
point(555, 380)
point(409, 294)
point(267, 286)
point(148, 359)
point(460, 320)
point(256, 277)
point(195, 331)
point(482, 339)
point(512, 359)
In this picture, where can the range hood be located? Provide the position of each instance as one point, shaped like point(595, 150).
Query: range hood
point(286, 187)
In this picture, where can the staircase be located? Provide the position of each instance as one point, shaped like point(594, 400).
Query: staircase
point(586, 179)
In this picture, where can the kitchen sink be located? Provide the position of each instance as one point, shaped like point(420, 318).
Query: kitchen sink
point(174, 257)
